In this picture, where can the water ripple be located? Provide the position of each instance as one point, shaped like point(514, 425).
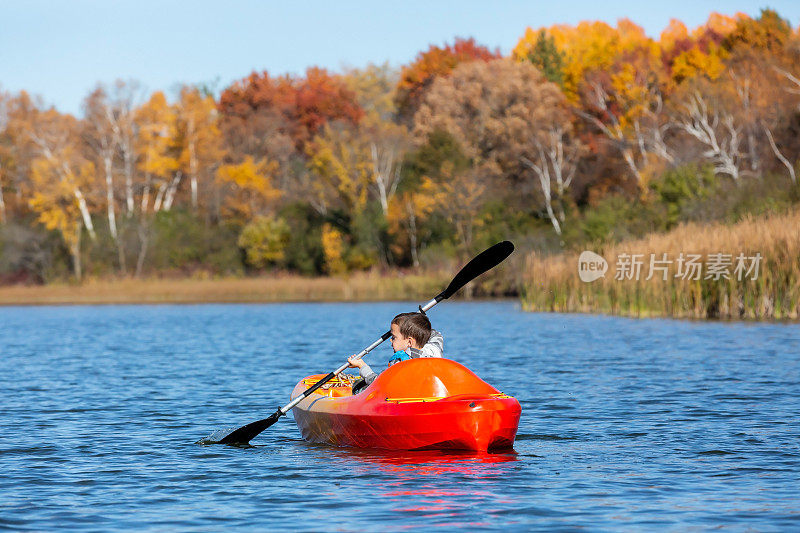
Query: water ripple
point(627, 425)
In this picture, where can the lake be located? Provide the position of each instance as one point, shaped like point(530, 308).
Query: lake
point(626, 424)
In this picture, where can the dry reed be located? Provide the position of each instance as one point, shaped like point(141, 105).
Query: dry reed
point(282, 288)
point(553, 284)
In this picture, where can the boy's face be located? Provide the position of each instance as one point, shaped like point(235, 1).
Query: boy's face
point(398, 341)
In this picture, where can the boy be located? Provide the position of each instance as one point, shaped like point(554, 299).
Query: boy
point(412, 337)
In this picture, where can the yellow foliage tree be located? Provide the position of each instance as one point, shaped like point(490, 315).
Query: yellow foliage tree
point(343, 166)
point(264, 241)
point(407, 214)
point(586, 46)
point(461, 197)
point(699, 53)
point(199, 136)
point(248, 187)
point(156, 121)
point(56, 198)
point(333, 248)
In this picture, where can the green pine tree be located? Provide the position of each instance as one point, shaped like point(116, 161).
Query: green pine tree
point(548, 58)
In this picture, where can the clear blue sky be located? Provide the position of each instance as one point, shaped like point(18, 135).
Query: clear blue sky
point(60, 49)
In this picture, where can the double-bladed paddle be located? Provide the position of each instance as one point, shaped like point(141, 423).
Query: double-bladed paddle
point(486, 260)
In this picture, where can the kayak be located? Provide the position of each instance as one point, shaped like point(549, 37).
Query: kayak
point(419, 404)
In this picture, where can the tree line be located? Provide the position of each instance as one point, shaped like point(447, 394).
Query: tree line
point(579, 135)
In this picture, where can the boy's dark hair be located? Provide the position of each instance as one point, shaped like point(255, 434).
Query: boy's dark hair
point(414, 325)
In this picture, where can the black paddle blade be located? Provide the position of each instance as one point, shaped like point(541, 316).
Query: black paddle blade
point(244, 434)
point(486, 260)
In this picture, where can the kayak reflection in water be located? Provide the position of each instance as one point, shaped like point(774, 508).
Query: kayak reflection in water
point(412, 337)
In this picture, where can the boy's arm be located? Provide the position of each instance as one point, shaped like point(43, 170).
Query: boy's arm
point(434, 347)
point(367, 373)
point(364, 370)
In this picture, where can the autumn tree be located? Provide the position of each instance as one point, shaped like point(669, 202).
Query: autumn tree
point(585, 47)
point(321, 98)
point(18, 150)
point(305, 104)
point(413, 213)
point(264, 241)
point(461, 198)
point(352, 176)
point(158, 160)
point(545, 55)
point(555, 162)
point(374, 88)
point(101, 138)
point(769, 32)
point(687, 55)
point(125, 96)
point(157, 165)
point(625, 104)
point(274, 118)
point(247, 188)
point(198, 138)
point(417, 78)
point(784, 113)
point(60, 177)
point(407, 214)
point(494, 111)
point(343, 169)
point(5, 153)
point(387, 141)
point(708, 114)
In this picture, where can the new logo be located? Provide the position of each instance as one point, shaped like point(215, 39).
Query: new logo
point(591, 266)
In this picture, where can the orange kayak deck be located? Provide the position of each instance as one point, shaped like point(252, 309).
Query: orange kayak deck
point(417, 404)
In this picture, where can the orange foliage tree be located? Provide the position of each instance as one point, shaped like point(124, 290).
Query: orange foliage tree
point(417, 77)
point(305, 104)
point(701, 52)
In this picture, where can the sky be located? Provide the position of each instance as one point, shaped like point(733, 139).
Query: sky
point(61, 49)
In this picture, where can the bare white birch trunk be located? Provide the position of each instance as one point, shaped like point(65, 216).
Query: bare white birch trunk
point(412, 233)
point(193, 172)
point(2, 201)
point(144, 241)
point(192, 164)
point(387, 174)
point(84, 209)
point(779, 155)
point(543, 172)
point(194, 192)
point(171, 190)
point(110, 210)
point(146, 194)
point(75, 250)
point(159, 197)
point(702, 125)
point(128, 166)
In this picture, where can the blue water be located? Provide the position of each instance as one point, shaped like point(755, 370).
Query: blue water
point(626, 424)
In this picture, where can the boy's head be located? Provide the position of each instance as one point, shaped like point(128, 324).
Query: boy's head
point(410, 330)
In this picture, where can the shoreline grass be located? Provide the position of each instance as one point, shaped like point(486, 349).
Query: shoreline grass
point(266, 289)
point(552, 283)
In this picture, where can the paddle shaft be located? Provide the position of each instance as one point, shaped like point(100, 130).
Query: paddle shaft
point(286, 408)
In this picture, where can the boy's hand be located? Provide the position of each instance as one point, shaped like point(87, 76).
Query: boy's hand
point(355, 363)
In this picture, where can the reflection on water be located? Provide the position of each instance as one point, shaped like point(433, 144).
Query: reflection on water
point(626, 425)
point(415, 481)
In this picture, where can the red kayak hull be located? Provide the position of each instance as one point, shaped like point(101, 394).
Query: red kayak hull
point(416, 404)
